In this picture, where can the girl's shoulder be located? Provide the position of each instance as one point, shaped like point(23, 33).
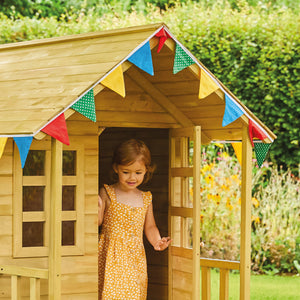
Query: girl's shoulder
point(147, 197)
point(105, 193)
point(147, 193)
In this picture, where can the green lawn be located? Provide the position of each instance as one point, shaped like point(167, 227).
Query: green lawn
point(263, 287)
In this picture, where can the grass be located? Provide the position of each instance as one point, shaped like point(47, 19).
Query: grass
point(263, 287)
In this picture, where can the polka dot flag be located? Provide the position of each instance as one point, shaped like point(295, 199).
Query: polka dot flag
point(261, 151)
point(181, 60)
point(86, 105)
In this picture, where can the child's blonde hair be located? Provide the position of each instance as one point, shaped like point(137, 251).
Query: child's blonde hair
point(130, 151)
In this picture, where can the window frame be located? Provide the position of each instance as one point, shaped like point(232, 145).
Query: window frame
point(76, 215)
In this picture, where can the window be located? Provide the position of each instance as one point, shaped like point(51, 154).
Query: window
point(32, 201)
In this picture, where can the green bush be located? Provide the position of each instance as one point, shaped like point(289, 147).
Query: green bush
point(41, 8)
point(49, 8)
point(254, 51)
point(256, 54)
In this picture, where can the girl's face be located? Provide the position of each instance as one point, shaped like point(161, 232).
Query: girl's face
point(131, 176)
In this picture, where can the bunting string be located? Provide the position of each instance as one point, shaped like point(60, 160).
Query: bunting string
point(142, 58)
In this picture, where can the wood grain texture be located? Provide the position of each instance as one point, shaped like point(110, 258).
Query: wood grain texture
point(64, 67)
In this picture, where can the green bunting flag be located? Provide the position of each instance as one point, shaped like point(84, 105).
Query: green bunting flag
point(261, 151)
point(181, 60)
point(86, 105)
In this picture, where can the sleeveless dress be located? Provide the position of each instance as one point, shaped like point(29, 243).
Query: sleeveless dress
point(122, 259)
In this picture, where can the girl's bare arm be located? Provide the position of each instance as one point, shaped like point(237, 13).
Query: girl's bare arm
point(103, 202)
point(152, 232)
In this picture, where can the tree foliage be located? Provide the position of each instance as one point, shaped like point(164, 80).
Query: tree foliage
point(254, 49)
point(56, 8)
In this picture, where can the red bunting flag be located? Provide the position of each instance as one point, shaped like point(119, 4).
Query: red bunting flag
point(163, 36)
point(58, 129)
point(255, 132)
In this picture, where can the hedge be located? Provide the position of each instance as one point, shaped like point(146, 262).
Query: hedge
point(254, 51)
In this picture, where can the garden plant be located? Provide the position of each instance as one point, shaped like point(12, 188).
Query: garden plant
point(275, 212)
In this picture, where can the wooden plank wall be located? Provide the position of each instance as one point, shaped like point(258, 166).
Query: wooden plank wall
point(137, 110)
point(158, 143)
point(182, 273)
point(79, 272)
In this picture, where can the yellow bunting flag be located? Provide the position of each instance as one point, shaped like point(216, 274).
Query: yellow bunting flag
point(207, 85)
point(115, 81)
point(2, 145)
point(238, 151)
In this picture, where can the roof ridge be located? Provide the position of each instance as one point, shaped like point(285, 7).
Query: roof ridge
point(81, 36)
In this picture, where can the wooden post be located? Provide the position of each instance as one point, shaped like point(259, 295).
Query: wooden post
point(15, 287)
point(54, 285)
point(196, 212)
point(245, 250)
point(206, 283)
point(224, 284)
point(35, 288)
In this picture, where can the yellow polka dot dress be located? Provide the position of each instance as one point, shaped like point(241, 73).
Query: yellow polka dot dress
point(122, 259)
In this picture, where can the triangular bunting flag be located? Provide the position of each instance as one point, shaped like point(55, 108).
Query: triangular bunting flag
point(2, 145)
point(238, 151)
point(23, 144)
point(86, 105)
point(115, 81)
point(255, 132)
point(207, 85)
point(163, 36)
point(232, 111)
point(181, 60)
point(58, 129)
point(261, 151)
point(142, 58)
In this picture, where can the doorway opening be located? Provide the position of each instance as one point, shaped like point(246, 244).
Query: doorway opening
point(158, 142)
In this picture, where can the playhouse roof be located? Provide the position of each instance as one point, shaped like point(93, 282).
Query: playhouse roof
point(41, 79)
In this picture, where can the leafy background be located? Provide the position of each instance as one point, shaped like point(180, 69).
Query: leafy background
point(253, 48)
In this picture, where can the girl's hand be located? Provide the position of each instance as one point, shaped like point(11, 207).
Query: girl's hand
point(162, 244)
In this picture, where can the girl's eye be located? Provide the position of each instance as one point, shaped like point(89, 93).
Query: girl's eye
point(124, 172)
point(138, 173)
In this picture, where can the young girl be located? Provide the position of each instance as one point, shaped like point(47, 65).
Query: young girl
point(124, 212)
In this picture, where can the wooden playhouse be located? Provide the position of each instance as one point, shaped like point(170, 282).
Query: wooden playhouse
point(91, 91)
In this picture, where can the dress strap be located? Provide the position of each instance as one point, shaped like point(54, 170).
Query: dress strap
point(147, 199)
point(110, 192)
